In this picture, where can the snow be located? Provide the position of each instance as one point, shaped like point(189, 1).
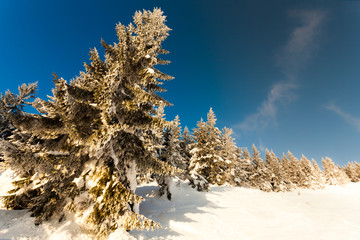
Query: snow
point(150, 70)
point(79, 182)
point(222, 213)
point(240, 213)
point(131, 176)
point(114, 157)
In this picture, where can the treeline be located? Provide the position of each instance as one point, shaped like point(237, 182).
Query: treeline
point(213, 154)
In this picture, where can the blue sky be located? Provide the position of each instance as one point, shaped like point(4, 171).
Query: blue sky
point(284, 74)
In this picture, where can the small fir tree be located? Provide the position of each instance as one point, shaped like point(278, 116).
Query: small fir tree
point(352, 170)
point(243, 169)
point(185, 144)
point(260, 175)
point(319, 176)
point(297, 176)
point(171, 154)
point(172, 150)
point(309, 179)
point(230, 154)
point(206, 157)
point(333, 174)
point(287, 172)
point(276, 173)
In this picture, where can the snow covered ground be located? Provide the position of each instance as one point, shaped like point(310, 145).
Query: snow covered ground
point(221, 213)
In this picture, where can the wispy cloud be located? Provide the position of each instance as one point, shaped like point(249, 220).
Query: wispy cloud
point(355, 122)
point(291, 58)
point(302, 42)
point(266, 113)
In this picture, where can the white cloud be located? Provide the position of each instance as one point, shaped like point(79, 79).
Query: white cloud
point(355, 122)
point(267, 111)
point(291, 58)
point(302, 42)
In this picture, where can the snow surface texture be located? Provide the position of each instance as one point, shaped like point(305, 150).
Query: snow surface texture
point(222, 213)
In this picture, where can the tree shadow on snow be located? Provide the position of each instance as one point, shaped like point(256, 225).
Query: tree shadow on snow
point(220, 189)
point(185, 202)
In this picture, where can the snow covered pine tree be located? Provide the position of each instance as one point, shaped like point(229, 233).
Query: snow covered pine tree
point(334, 174)
point(206, 159)
point(82, 152)
point(260, 174)
point(185, 144)
point(231, 155)
point(171, 154)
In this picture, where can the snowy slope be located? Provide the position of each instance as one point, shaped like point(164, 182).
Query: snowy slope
point(222, 213)
point(238, 213)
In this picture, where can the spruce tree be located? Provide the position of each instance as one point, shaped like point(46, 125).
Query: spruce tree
point(186, 144)
point(357, 170)
point(319, 175)
point(82, 152)
point(276, 176)
point(352, 170)
point(243, 169)
point(309, 178)
point(206, 157)
point(260, 175)
point(297, 176)
point(171, 154)
point(230, 154)
point(333, 174)
point(287, 172)
point(172, 150)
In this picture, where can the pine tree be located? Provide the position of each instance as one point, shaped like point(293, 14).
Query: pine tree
point(319, 176)
point(309, 179)
point(352, 170)
point(260, 175)
point(171, 154)
point(357, 171)
point(297, 177)
point(172, 151)
point(206, 157)
point(82, 152)
point(276, 176)
point(243, 168)
point(287, 172)
point(333, 174)
point(186, 144)
point(230, 154)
